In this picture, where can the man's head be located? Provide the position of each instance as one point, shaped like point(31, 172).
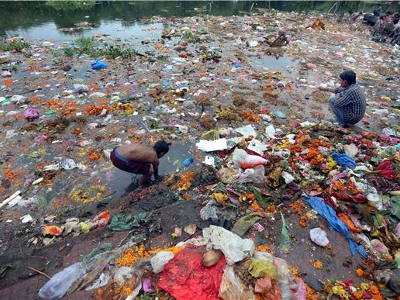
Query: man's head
point(348, 78)
point(161, 147)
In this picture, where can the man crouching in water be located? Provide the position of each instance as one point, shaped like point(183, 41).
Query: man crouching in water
point(140, 159)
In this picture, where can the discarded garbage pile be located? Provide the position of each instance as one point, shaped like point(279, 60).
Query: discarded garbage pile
point(218, 265)
point(285, 185)
point(350, 181)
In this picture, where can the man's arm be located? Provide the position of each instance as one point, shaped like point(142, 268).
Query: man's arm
point(155, 164)
point(331, 90)
point(345, 98)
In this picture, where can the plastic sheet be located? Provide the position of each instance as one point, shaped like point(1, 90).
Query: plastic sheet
point(344, 160)
point(329, 214)
point(184, 277)
point(209, 146)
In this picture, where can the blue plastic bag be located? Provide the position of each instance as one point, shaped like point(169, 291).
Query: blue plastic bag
point(98, 65)
point(329, 214)
point(188, 161)
point(344, 160)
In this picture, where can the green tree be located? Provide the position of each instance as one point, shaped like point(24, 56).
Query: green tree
point(70, 5)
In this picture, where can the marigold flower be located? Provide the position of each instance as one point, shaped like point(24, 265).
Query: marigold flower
point(359, 272)
point(318, 264)
point(303, 221)
point(374, 289)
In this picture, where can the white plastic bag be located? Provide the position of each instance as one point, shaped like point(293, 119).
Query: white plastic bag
point(255, 175)
point(233, 246)
point(159, 260)
point(244, 160)
point(318, 236)
point(59, 284)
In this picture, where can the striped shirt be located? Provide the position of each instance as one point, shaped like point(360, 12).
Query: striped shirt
point(353, 102)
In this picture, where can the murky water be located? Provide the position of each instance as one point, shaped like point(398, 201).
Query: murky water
point(127, 27)
point(36, 19)
point(124, 182)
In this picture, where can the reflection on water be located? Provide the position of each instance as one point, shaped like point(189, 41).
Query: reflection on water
point(124, 182)
point(35, 19)
point(283, 64)
point(115, 29)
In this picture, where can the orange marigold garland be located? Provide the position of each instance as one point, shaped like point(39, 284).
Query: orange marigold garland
point(184, 182)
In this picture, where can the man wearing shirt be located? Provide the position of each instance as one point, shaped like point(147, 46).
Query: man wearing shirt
point(348, 102)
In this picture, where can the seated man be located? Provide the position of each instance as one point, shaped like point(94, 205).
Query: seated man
point(396, 34)
point(140, 159)
point(348, 102)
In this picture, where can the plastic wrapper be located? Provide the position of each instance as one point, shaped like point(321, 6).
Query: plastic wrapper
point(351, 150)
point(261, 268)
point(246, 131)
point(59, 284)
point(231, 286)
point(268, 288)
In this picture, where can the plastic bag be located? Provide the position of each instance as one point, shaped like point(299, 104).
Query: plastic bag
point(59, 284)
point(244, 160)
point(231, 286)
point(98, 65)
point(233, 246)
point(286, 280)
point(330, 215)
point(242, 225)
point(228, 175)
point(255, 175)
point(318, 236)
point(159, 260)
point(260, 268)
point(301, 293)
point(188, 161)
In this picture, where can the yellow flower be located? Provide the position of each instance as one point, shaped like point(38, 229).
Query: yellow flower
point(221, 198)
point(340, 291)
point(364, 286)
point(330, 163)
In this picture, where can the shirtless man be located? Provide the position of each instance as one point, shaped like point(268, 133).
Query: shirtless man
point(140, 159)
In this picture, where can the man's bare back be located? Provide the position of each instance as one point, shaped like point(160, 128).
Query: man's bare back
point(140, 159)
point(138, 153)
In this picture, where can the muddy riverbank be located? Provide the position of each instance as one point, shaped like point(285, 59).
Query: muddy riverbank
point(202, 78)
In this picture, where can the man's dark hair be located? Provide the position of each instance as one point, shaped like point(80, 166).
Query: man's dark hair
point(161, 146)
point(349, 76)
